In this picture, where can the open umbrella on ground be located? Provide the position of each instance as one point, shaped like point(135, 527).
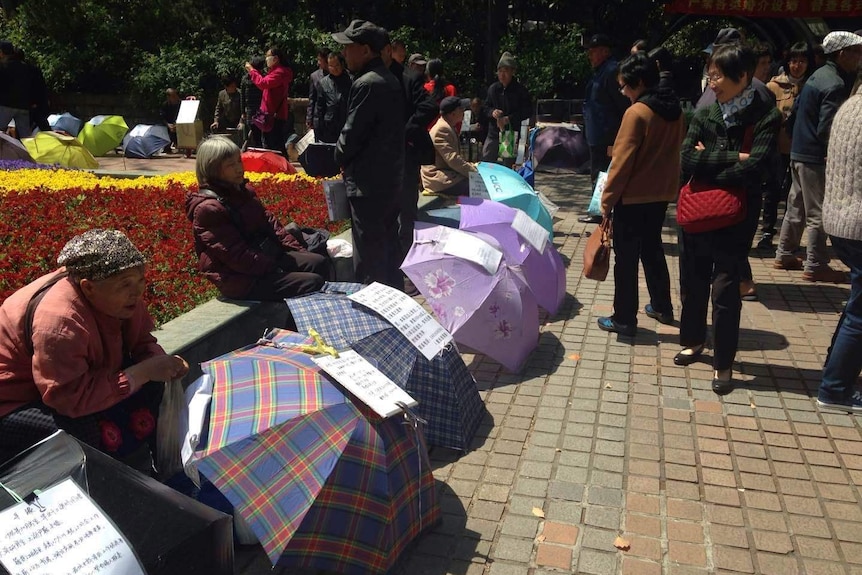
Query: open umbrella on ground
point(101, 134)
point(493, 312)
point(559, 147)
point(543, 268)
point(54, 148)
point(12, 149)
point(446, 391)
point(508, 187)
point(322, 482)
point(145, 141)
point(255, 160)
point(65, 122)
point(170, 533)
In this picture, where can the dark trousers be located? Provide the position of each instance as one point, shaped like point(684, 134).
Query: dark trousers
point(749, 229)
point(599, 162)
point(276, 138)
point(775, 191)
point(408, 200)
point(301, 273)
point(376, 249)
point(844, 360)
point(712, 260)
point(637, 237)
point(35, 421)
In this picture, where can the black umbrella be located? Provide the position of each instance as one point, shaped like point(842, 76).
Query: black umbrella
point(170, 533)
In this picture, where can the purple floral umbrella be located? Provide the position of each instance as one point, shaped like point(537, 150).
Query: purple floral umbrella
point(493, 313)
point(544, 270)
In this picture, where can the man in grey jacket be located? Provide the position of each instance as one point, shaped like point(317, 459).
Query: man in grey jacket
point(811, 121)
point(370, 151)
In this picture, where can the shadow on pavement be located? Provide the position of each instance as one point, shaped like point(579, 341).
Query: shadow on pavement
point(804, 297)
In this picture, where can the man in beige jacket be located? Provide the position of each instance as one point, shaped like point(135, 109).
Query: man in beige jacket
point(449, 174)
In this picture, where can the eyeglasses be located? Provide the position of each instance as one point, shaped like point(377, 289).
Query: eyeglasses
point(623, 87)
point(714, 78)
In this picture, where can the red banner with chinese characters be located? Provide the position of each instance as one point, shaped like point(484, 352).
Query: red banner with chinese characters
point(769, 8)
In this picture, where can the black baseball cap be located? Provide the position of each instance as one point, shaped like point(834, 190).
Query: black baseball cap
point(597, 40)
point(362, 32)
point(452, 103)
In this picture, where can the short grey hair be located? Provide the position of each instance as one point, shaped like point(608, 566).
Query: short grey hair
point(210, 155)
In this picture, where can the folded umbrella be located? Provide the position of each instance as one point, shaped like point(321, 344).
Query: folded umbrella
point(493, 312)
point(170, 533)
point(55, 148)
point(12, 149)
point(508, 187)
point(322, 483)
point(446, 391)
point(543, 269)
point(255, 160)
point(65, 122)
point(101, 134)
point(145, 141)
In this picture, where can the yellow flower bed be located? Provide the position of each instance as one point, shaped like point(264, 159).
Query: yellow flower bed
point(22, 181)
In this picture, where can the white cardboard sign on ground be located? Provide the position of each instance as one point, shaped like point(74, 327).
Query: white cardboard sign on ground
point(402, 311)
point(63, 532)
point(366, 382)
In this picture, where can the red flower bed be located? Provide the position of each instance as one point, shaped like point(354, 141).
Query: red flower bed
point(36, 224)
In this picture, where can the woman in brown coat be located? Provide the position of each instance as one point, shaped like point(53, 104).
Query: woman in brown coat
point(643, 178)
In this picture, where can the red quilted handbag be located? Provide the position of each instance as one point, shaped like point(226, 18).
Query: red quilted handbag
point(705, 207)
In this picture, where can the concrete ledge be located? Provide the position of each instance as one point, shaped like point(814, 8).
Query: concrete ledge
point(217, 327)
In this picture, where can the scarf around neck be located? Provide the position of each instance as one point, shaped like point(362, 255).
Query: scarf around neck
point(731, 109)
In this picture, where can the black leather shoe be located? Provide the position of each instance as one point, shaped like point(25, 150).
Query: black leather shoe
point(609, 324)
point(590, 219)
point(665, 318)
point(722, 387)
point(687, 358)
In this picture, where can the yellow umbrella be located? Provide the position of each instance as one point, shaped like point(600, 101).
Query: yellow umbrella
point(54, 148)
point(101, 134)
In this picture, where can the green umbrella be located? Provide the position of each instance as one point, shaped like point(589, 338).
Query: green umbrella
point(54, 148)
point(102, 134)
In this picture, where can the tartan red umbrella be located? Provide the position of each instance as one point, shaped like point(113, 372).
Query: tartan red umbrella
point(255, 160)
point(324, 483)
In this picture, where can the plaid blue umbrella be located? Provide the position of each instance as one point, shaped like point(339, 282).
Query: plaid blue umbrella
point(323, 482)
point(446, 391)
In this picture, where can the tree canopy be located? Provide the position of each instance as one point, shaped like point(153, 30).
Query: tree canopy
point(143, 46)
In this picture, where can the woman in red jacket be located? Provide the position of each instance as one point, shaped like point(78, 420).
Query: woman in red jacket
point(241, 247)
point(275, 86)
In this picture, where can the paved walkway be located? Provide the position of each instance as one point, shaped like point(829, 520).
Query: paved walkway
point(603, 436)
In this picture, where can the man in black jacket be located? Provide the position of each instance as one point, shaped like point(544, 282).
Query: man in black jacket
point(419, 111)
point(332, 92)
point(370, 151)
point(507, 105)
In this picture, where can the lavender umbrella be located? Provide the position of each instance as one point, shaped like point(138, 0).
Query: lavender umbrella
point(543, 269)
point(493, 312)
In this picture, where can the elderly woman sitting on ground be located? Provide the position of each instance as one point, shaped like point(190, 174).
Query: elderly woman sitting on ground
point(449, 174)
point(76, 353)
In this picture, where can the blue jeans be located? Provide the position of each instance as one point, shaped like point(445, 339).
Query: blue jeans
point(843, 360)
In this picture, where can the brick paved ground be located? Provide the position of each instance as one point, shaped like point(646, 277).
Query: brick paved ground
point(603, 436)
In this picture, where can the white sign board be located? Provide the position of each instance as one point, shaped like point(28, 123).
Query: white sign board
point(188, 111)
point(366, 382)
point(477, 187)
point(63, 533)
point(472, 248)
point(533, 233)
point(402, 311)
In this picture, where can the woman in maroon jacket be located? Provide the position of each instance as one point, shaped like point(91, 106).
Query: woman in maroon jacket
point(241, 247)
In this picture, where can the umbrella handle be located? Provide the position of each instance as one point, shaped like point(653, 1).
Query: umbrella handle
point(413, 420)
